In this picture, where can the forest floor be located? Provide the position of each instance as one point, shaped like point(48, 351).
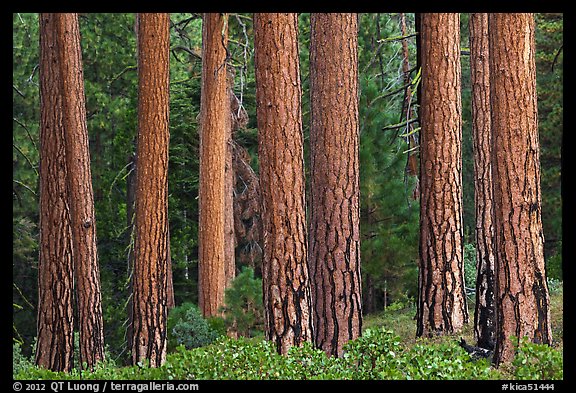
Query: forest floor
point(401, 320)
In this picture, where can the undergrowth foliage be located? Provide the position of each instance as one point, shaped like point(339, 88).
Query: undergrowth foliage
point(377, 354)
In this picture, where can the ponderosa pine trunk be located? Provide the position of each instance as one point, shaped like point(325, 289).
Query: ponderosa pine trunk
point(214, 121)
point(80, 194)
point(484, 317)
point(55, 337)
point(522, 301)
point(150, 277)
point(441, 297)
point(334, 254)
point(286, 289)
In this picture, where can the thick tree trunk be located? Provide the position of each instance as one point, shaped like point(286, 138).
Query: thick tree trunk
point(81, 197)
point(55, 339)
point(484, 317)
point(151, 211)
point(441, 296)
point(522, 302)
point(287, 298)
point(214, 120)
point(334, 254)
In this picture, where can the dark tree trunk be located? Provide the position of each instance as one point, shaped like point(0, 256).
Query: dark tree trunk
point(286, 287)
point(522, 301)
point(484, 318)
point(441, 296)
point(334, 254)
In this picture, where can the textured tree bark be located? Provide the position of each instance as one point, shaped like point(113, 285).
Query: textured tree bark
point(334, 253)
point(55, 339)
point(151, 208)
point(522, 301)
point(81, 197)
point(441, 296)
point(215, 120)
point(287, 298)
point(484, 317)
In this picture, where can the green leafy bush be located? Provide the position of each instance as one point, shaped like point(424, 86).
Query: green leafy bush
point(307, 362)
point(443, 361)
point(537, 361)
point(554, 266)
point(470, 265)
point(244, 311)
point(19, 361)
point(370, 354)
point(378, 354)
point(555, 286)
point(187, 327)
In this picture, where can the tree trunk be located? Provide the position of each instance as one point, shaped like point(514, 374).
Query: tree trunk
point(334, 254)
point(81, 197)
point(482, 141)
point(151, 210)
point(522, 302)
point(55, 339)
point(287, 300)
point(215, 120)
point(441, 296)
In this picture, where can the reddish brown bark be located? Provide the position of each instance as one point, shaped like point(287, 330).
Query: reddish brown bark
point(81, 197)
point(287, 298)
point(214, 120)
point(334, 253)
point(151, 208)
point(484, 317)
point(441, 297)
point(522, 301)
point(55, 338)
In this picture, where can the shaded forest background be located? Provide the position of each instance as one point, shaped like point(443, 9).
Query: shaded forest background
point(389, 214)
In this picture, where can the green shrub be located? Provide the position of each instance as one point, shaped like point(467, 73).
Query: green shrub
point(369, 354)
point(378, 354)
point(307, 362)
point(555, 286)
point(470, 272)
point(244, 311)
point(187, 327)
point(443, 361)
point(19, 360)
point(537, 361)
point(554, 266)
